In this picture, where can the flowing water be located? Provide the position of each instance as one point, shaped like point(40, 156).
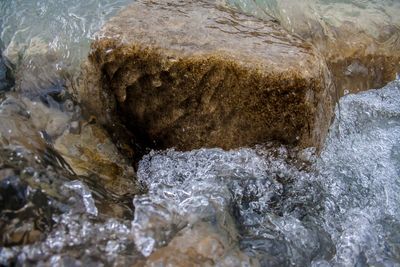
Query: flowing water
point(368, 16)
point(268, 205)
point(355, 36)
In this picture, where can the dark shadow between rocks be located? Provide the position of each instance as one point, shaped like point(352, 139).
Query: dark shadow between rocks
point(6, 76)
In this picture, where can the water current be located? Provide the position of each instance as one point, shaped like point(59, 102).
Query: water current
point(268, 205)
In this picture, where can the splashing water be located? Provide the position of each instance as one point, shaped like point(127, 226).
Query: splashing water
point(280, 206)
point(269, 205)
point(360, 167)
point(254, 197)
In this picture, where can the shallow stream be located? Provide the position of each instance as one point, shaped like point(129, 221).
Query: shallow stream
point(67, 198)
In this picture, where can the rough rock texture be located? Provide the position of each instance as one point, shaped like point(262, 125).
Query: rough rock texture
point(92, 152)
point(357, 59)
point(360, 39)
point(363, 63)
point(190, 74)
point(40, 135)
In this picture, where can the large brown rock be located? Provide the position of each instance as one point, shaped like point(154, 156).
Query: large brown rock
point(191, 74)
point(359, 39)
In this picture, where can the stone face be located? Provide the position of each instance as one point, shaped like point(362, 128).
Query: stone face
point(92, 152)
point(367, 63)
point(191, 74)
point(360, 39)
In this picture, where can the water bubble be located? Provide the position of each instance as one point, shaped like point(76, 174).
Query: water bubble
point(86, 195)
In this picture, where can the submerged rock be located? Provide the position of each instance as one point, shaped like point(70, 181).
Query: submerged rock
point(39, 70)
point(49, 41)
point(25, 213)
point(93, 152)
point(194, 74)
point(45, 136)
point(200, 245)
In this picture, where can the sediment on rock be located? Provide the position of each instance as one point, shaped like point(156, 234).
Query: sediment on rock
point(194, 74)
point(360, 40)
point(358, 60)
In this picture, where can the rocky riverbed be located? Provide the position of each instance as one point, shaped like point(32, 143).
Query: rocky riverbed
point(199, 133)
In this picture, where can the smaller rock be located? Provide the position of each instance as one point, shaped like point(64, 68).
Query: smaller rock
point(93, 152)
point(24, 213)
point(43, 136)
point(203, 245)
point(39, 69)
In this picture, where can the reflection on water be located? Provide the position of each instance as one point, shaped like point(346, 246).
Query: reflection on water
point(66, 193)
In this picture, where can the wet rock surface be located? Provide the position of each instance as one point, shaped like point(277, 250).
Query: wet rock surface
point(21, 223)
point(54, 195)
point(193, 74)
point(61, 177)
point(66, 191)
point(39, 70)
point(92, 152)
point(359, 39)
point(44, 134)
